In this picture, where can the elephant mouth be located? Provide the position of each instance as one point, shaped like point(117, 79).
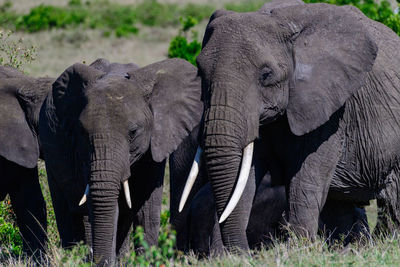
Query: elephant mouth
point(269, 115)
point(247, 157)
point(127, 194)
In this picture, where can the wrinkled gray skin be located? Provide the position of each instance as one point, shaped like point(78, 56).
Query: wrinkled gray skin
point(108, 124)
point(20, 100)
point(200, 232)
point(321, 84)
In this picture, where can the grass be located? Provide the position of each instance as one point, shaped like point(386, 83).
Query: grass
point(296, 252)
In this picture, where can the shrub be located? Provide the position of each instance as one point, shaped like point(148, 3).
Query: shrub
point(9, 233)
point(180, 47)
point(379, 11)
point(45, 17)
point(117, 18)
point(163, 254)
point(13, 52)
point(153, 13)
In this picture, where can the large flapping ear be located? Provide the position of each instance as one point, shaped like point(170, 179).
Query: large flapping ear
point(174, 96)
point(333, 53)
point(70, 85)
point(274, 4)
point(18, 143)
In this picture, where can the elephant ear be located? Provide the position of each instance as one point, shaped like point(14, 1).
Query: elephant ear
point(69, 87)
point(18, 143)
point(174, 101)
point(333, 53)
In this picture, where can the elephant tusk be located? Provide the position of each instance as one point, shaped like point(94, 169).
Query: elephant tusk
point(241, 183)
point(194, 171)
point(127, 194)
point(83, 200)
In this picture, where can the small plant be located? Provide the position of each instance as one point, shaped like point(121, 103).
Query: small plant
point(162, 255)
point(180, 47)
point(10, 237)
point(14, 53)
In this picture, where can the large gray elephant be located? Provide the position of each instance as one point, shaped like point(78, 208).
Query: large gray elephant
point(321, 84)
point(20, 100)
point(108, 129)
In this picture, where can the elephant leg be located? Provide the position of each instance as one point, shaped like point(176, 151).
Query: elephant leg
point(30, 208)
point(388, 202)
point(266, 215)
point(361, 226)
point(70, 224)
point(309, 186)
point(147, 186)
point(180, 163)
point(342, 220)
point(202, 223)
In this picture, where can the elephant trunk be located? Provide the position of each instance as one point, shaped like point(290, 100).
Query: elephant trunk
point(108, 168)
point(225, 136)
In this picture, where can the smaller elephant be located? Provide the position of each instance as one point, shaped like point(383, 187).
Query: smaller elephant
point(107, 131)
point(20, 100)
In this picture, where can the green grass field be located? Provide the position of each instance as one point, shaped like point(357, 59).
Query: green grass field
point(58, 48)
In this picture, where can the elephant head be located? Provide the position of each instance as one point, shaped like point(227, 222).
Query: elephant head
point(115, 114)
point(302, 61)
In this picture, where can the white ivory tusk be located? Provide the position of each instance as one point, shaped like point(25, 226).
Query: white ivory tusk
point(194, 171)
point(127, 194)
point(241, 183)
point(84, 198)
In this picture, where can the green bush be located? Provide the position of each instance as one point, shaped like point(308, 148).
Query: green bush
point(10, 237)
point(117, 18)
point(45, 17)
point(163, 254)
point(380, 11)
point(14, 53)
point(180, 47)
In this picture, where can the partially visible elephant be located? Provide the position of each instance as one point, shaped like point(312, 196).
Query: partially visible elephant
point(180, 163)
point(108, 129)
point(20, 100)
point(267, 220)
point(320, 83)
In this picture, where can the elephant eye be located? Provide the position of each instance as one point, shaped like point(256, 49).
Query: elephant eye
point(266, 74)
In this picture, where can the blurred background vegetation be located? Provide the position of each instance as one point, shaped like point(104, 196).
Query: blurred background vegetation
point(44, 37)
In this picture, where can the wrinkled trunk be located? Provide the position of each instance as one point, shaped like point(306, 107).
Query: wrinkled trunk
point(225, 137)
point(106, 173)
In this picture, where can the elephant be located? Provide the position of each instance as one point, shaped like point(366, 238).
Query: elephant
point(20, 100)
point(197, 228)
point(320, 83)
point(108, 129)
